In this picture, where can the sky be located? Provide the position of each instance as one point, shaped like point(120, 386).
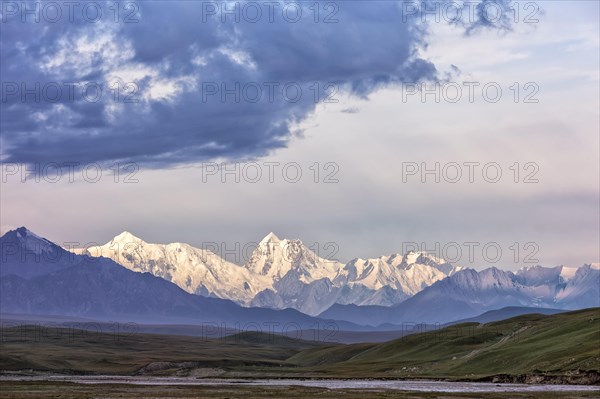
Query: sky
point(325, 137)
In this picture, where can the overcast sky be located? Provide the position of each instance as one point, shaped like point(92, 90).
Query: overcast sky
point(359, 134)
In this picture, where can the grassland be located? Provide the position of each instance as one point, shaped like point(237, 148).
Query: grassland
point(557, 345)
point(72, 351)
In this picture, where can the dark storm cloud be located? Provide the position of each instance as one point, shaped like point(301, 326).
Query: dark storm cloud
point(174, 54)
point(496, 14)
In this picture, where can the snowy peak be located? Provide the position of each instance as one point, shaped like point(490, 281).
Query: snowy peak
point(410, 259)
point(270, 238)
point(275, 257)
point(567, 273)
point(546, 275)
point(126, 237)
point(409, 274)
point(422, 258)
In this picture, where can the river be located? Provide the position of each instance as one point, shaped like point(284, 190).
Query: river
point(402, 385)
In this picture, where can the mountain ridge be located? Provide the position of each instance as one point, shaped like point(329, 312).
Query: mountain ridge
point(76, 285)
point(468, 293)
point(284, 274)
point(280, 273)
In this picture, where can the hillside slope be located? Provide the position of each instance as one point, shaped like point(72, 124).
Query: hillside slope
point(566, 343)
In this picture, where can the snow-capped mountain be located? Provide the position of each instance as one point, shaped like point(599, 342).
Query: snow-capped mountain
point(62, 283)
point(197, 271)
point(39, 276)
point(274, 258)
point(384, 281)
point(409, 274)
point(468, 293)
point(299, 278)
point(582, 289)
point(280, 273)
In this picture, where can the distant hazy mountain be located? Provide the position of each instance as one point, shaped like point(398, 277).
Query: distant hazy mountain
point(468, 293)
point(507, 313)
point(58, 282)
point(24, 254)
point(280, 273)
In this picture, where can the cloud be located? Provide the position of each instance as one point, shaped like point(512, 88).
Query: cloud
point(183, 85)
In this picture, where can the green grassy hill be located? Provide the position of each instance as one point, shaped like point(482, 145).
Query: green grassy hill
point(78, 351)
point(556, 344)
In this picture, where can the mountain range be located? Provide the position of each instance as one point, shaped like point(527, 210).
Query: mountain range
point(283, 281)
point(469, 292)
point(40, 278)
point(280, 273)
